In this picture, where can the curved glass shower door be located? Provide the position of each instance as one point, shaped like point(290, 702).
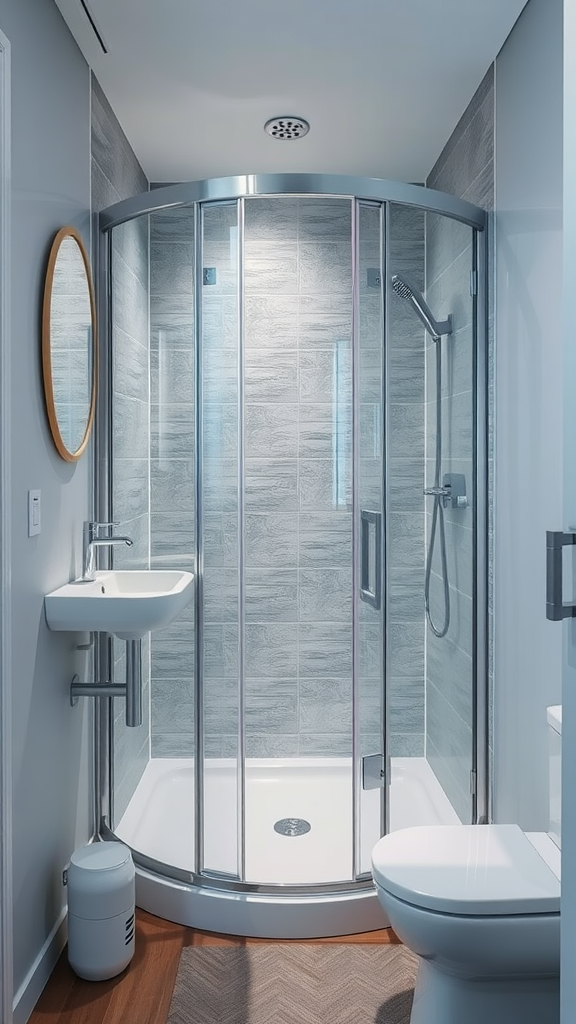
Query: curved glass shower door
point(298, 553)
point(432, 600)
point(219, 530)
point(274, 411)
point(266, 465)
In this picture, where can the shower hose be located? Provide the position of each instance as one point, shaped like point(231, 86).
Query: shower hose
point(438, 515)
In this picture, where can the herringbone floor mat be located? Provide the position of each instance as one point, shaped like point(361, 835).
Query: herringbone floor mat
point(294, 984)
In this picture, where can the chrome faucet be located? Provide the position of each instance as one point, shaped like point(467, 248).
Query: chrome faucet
point(91, 541)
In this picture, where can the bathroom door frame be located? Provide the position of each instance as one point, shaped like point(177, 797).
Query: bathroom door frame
point(6, 956)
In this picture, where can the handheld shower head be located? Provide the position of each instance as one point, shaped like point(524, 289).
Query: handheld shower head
point(406, 290)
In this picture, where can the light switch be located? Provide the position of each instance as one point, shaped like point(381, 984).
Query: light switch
point(34, 513)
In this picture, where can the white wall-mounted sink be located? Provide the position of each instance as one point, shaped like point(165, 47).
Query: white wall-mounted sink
point(128, 603)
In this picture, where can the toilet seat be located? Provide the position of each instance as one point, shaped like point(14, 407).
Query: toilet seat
point(467, 870)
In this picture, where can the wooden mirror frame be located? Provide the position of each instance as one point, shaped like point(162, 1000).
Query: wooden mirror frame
point(63, 233)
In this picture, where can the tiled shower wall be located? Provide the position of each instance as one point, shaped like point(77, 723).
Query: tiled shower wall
point(298, 487)
point(172, 470)
point(465, 169)
point(117, 175)
point(297, 514)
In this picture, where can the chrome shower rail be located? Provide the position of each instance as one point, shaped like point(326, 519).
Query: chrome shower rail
point(325, 185)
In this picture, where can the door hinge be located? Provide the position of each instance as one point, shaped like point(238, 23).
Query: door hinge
point(373, 771)
point(473, 282)
point(473, 782)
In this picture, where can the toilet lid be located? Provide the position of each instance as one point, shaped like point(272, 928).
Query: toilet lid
point(466, 869)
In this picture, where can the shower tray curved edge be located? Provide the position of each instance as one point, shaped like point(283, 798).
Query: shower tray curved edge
point(259, 915)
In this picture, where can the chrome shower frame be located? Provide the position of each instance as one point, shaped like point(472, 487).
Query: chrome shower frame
point(356, 900)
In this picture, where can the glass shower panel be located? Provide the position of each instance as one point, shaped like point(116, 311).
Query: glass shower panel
point(298, 514)
point(405, 524)
point(430, 680)
point(130, 474)
point(218, 527)
point(369, 590)
point(153, 501)
point(172, 467)
point(449, 659)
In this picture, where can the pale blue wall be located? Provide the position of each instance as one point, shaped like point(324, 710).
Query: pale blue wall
point(50, 187)
point(529, 426)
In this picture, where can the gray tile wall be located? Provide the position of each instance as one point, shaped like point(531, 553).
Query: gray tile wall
point(298, 541)
point(117, 175)
point(465, 168)
point(172, 497)
point(221, 372)
point(298, 473)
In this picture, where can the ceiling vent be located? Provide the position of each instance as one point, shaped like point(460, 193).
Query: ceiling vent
point(287, 127)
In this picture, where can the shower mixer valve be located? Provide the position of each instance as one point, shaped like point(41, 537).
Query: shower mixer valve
point(452, 492)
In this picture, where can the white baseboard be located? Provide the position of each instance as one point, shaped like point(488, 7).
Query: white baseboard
point(31, 988)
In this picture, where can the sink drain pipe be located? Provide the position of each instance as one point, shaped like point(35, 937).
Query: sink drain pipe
point(131, 689)
point(134, 682)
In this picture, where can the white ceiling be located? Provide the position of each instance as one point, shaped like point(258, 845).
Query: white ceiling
point(382, 82)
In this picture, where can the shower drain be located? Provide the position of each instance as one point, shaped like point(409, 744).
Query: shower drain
point(292, 826)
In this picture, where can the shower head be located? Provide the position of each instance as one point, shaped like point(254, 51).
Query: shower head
point(437, 328)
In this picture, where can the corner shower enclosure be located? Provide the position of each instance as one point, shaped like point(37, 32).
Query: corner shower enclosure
point(268, 419)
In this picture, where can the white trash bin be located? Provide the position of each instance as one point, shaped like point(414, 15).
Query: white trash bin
point(101, 909)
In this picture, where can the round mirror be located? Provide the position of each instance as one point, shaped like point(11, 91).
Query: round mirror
point(69, 345)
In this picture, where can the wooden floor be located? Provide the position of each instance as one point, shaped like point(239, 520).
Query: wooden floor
point(142, 994)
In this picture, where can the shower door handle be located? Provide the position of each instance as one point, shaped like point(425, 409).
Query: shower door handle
point(370, 523)
point(555, 608)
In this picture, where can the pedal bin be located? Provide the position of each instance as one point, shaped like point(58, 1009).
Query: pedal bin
point(101, 909)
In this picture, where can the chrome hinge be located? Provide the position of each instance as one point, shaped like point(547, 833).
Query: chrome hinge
point(473, 282)
point(373, 771)
point(473, 782)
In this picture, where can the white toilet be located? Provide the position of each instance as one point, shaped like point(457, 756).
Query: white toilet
point(480, 906)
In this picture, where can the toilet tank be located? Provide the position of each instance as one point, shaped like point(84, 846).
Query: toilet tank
point(555, 763)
